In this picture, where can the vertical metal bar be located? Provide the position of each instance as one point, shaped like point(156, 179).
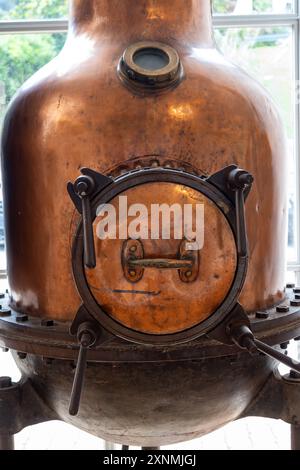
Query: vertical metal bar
point(78, 382)
point(7, 442)
point(296, 34)
point(295, 437)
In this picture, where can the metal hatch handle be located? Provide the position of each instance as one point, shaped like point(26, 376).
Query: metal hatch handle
point(243, 337)
point(84, 187)
point(239, 181)
point(87, 338)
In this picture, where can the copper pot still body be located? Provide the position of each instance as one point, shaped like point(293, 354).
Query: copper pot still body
point(98, 107)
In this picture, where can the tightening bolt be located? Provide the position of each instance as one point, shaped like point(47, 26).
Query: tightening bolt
point(47, 323)
point(262, 315)
point(5, 312)
point(22, 318)
point(283, 309)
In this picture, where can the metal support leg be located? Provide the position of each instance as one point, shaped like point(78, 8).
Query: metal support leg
point(7, 442)
point(295, 437)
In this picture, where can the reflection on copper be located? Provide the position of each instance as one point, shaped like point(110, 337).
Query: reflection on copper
point(182, 112)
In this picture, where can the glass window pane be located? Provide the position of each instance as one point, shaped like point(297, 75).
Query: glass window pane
point(249, 7)
point(20, 57)
point(267, 54)
point(32, 9)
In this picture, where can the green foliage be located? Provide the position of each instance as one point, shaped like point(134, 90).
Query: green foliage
point(22, 55)
point(227, 6)
point(39, 9)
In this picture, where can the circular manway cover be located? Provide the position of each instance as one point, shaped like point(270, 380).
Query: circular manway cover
point(160, 302)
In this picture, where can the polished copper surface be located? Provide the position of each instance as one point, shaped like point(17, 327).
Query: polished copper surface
point(160, 303)
point(76, 112)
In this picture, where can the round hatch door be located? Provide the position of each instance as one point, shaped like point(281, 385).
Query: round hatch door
point(168, 261)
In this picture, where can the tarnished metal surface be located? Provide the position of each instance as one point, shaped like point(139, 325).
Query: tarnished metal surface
point(152, 404)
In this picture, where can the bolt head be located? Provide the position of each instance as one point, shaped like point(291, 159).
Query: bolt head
point(22, 318)
point(262, 315)
point(283, 309)
point(132, 273)
point(47, 323)
point(284, 346)
point(5, 312)
point(189, 274)
point(133, 248)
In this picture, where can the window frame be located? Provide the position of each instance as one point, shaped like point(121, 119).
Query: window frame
point(238, 21)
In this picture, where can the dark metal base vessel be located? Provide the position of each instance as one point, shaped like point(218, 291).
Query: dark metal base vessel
point(146, 396)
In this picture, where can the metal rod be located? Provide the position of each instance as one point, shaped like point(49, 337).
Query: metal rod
point(295, 437)
point(241, 223)
point(89, 244)
point(269, 351)
point(7, 442)
point(161, 263)
point(78, 382)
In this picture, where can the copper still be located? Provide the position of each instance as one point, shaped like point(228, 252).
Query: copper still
point(140, 103)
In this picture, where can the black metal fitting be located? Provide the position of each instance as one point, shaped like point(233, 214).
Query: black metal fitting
point(262, 315)
point(5, 312)
point(240, 179)
point(22, 318)
point(47, 323)
point(283, 309)
point(243, 337)
point(87, 334)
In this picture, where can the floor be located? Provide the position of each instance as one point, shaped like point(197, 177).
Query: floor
point(250, 433)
